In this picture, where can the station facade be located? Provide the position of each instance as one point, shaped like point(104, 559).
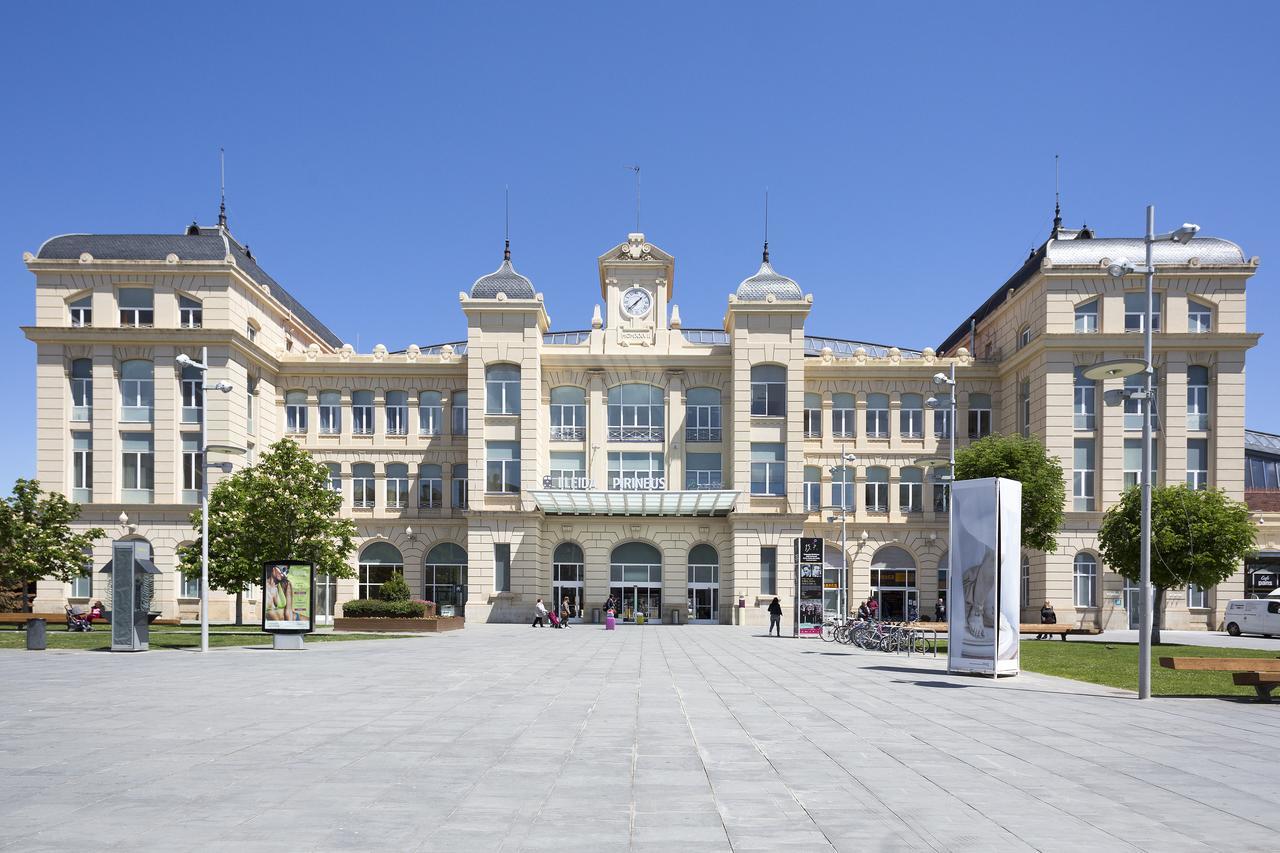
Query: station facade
point(670, 467)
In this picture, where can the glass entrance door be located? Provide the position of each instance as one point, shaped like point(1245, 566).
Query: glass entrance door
point(704, 584)
point(639, 600)
point(566, 578)
point(704, 603)
point(896, 591)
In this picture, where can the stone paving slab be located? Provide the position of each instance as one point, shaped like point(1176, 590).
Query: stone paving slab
point(646, 738)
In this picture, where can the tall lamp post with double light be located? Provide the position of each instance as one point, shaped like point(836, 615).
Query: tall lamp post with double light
point(848, 459)
point(225, 467)
point(1118, 269)
point(934, 403)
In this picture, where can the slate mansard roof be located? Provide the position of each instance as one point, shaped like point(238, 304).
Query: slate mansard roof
point(208, 243)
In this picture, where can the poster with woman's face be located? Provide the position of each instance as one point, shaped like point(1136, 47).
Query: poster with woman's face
point(286, 597)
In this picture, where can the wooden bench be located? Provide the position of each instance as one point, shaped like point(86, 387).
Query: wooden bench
point(1060, 630)
point(22, 618)
point(1262, 674)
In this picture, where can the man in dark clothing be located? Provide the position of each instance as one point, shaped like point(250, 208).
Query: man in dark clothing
point(775, 616)
point(1047, 617)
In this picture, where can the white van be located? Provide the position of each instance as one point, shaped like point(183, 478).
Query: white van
point(1253, 616)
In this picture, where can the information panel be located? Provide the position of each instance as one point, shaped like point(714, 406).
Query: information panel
point(288, 602)
point(809, 600)
point(986, 536)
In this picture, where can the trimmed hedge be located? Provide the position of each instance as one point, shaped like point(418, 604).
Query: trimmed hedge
point(373, 608)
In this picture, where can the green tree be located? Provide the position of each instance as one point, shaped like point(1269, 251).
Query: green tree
point(36, 539)
point(1197, 537)
point(1025, 460)
point(278, 509)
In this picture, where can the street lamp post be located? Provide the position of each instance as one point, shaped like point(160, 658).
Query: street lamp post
point(933, 402)
point(847, 459)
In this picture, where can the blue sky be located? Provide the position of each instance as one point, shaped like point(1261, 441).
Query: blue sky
point(908, 150)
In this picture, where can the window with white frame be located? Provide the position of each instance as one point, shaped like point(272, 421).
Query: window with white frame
point(979, 415)
point(363, 485)
point(188, 585)
point(1083, 475)
point(944, 567)
point(330, 412)
point(397, 403)
point(192, 394)
point(81, 467)
point(458, 411)
point(877, 416)
point(1024, 336)
point(82, 584)
point(1197, 598)
point(137, 391)
point(568, 413)
point(502, 567)
point(502, 467)
point(190, 312)
point(295, 412)
point(911, 489)
point(335, 476)
point(941, 497)
point(1085, 580)
point(138, 467)
point(378, 563)
point(1199, 317)
point(81, 311)
point(942, 416)
point(430, 486)
point(137, 306)
point(1197, 398)
point(812, 415)
point(911, 416)
point(636, 413)
point(769, 570)
point(844, 415)
point(843, 483)
point(430, 413)
point(1133, 462)
point(192, 468)
point(1135, 310)
point(250, 331)
point(636, 471)
point(876, 489)
point(1024, 581)
point(1087, 317)
point(1024, 407)
point(702, 414)
point(82, 390)
point(768, 391)
point(812, 488)
point(1198, 463)
point(502, 389)
point(1085, 402)
point(397, 485)
point(1133, 408)
point(250, 404)
point(362, 413)
point(768, 469)
point(458, 483)
point(568, 469)
point(703, 471)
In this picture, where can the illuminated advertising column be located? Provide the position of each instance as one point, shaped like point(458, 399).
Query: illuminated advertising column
point(986, 539)
point(288, 601)
point(809, 582)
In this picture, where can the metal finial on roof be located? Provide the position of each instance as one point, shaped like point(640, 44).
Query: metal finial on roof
point(636, 169)
point(766, 225)
point(222, 168)
point(506, 249)
point(1057, 198)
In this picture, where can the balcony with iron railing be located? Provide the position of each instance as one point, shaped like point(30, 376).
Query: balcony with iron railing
point(568, 433)
point(702, 434)
point(635, 433)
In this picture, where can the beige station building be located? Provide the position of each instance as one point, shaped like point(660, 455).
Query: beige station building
point(673, 467)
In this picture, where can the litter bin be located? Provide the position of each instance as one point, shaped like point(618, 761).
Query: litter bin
point(595, 616)
point(675, 616)
point(36, 639)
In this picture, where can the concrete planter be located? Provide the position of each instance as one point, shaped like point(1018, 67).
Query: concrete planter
point(426, 625)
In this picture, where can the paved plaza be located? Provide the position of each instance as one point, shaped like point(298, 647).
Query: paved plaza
point(648, 738)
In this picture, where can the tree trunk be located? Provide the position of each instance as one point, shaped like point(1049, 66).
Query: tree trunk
point(239, 606)
point(1157, 609)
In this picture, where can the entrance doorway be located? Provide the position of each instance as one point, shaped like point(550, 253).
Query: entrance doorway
point(566, 577)
point(704, 584)
point(893, 584)
point(1133, 604)
point(445, 577)
point(635, 581)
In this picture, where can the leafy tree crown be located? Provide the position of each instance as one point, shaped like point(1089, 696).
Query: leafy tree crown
point(1015, 457)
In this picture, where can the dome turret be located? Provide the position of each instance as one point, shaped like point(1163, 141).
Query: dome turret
point(766, 283)
point(504, 280)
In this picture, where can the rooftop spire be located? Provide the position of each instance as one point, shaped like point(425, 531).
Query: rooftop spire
point(222, 168)
point(506, 249)
point(1057, 198)
point(766, 225)
point(636, 169)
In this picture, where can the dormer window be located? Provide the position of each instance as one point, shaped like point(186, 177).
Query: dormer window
point(137, 307)
point(1135, 311)
point(1199, 317)
point(190, 313)
point(82, 311)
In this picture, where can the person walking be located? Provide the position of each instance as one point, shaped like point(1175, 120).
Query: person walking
point(1047, 617)
point(610, 604)
point(940, 610)
point(566, 611)
point(775, 616)
point(539, 615)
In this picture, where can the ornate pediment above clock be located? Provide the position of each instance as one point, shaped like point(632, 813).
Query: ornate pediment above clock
point(636, 249)
point(635, 260)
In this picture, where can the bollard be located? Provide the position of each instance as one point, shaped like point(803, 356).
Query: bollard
point(36, 635)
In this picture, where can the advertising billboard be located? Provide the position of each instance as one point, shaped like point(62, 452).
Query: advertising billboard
point(986, 539)
point(809, 599)
point(288, 599)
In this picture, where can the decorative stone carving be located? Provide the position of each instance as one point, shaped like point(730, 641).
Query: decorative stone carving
point(596, 321)
point(413, 352)
point(446, 353)
point(27, 257)
point(86, 258)
point(963, 355)
point(675, 316)
point(171, 258)
point(502, 296)
point(462, 296)
point(379, 352)
point(860, 355)
point(636, 249)
point(313, 351)
point(929, 356)
point(826, 355)
point(895, 355)
point(345, 352)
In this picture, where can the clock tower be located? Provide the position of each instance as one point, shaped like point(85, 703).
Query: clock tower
point(635, 281)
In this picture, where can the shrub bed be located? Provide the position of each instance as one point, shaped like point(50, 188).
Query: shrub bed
point(373, 608)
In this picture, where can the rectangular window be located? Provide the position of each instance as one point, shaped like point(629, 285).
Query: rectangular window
point(941, 497)
point(844, 416)
point(458, 409)
point(82, 312)
point(397, 476)
point(430, 413)
point(1087, 317)
point(397, 415)
point(250, 405)
point(1085, 402)
point(1083, 475)
point(1024, 408)
point(502, 567)
point(1133, 462)
point(138, 467)
point(1199, 317)
point(189, 586)
point(876, 490)
point(362, 413)
point(568, 415)
point(136, 306)
point(768, 469)
point(137, 391)
point(1197, 598)
point(502, 390)
point(1086, 581)
point(502, 467)
point(192, 468)
point(459, 485)
point(568, 470)
point(769, 398)
point(82, 390)
point(335, 477)
point(911, 416)
point(812, 423)
point(82, 584)
point(81, 467)
point(637, 471)
point(1133, 407)
point(702, 423)
point(877, 416)
point(1197, 398)
point(942, 417)
point(812, 488)
point(703, 471)
point(192, 396)
point(769, 571)
point(190, 313)
point(1198, 463)
point(1135, 308)
point(979, 415)
point(842, 487)
point(911, 491)
point(330, 413)
point(363, 485)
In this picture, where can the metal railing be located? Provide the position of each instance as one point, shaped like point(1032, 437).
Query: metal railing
point(635, 433)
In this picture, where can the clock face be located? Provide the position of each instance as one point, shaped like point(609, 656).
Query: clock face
point(636, 302)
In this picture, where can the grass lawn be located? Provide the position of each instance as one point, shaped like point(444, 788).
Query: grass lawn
point(168, 637)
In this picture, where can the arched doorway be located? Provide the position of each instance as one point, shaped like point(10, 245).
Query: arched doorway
point(704, 584)
point(635, 580)
point(444, 575)
point(566, 577)
point(893, 583)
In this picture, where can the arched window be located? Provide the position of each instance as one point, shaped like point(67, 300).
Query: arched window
point(567, 570)
point(911, 416)
point(81, 310)
point(892, 557)
point(1197, 398)
point(704, 584)
point(137, 306)
point(843, 415)
point(635, 563)
point(137, 391)
point(812, 415)
point(430, 413)
point(82, 390)
point(635, 413)
point(335, 477)
point(190, 312)
point(330, 412)
point(445, 576)
point(877, 416)
point(1086, 401)
point(568, 413)
point(378, 562)
point(1024, 336)
point(1087, 317)
point(362, 485)
point(295, 411)
point(768, 390)
point(877, 489)
point(842, 486)
point(812, 488)
point(1199, 317)
point(192, 394)
point(567, 552)
point(702, 414)
point(979, 415)
point(362, 413)
point(430, 486)
point(1085, 574)
point(502, 389)
point(397, 485)
point(397, 413)
point(911, 490)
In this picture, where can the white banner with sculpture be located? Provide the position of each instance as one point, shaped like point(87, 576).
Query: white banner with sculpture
point(986, 539)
